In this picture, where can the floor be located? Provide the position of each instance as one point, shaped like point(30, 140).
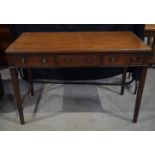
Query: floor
point(78, 107)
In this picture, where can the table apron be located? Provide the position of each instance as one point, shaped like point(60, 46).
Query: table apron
point(76, 60)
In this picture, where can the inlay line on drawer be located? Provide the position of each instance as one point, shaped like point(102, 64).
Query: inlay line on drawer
point(78, 60)
point(32, 60)
point(122, 60)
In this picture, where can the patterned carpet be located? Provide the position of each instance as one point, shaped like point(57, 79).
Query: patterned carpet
point(78, 107)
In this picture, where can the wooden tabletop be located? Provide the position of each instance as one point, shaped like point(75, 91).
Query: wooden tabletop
point(150, 27)
point(55, 42)
point(149, 30)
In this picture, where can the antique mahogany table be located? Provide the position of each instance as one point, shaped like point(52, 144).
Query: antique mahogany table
point(150, 34)
point(150, 29)
point(77, 49)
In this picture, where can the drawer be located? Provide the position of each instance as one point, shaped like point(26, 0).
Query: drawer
point(121, 60)
point(32, 61)
point(4, 31)
point(4, 45)
point(4, 26)
point(5, 34)
point(78, 60)
point(6, 38)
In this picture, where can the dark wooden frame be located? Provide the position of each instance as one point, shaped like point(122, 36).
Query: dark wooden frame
point(14, 76)
point(127, 57)
point(1, 87)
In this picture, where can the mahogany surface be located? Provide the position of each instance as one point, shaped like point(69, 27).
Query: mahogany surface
point(149, 30)
point(150, 34)
point(5, 37)
point(77, 49)
point(73, 42)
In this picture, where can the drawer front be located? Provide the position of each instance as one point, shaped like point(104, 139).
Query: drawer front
point(4, 45)
point(122, 60)
point(32, 61)
point(4, 26)
point(78, 60)
point(5, 35)
point(5, 38)
point(4, 31)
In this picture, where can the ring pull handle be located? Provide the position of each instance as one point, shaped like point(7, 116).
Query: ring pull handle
point(68, 60)
point(134, 59)
point(113, 59)
point(23, 60)
point(44, 60)
point(90, 60)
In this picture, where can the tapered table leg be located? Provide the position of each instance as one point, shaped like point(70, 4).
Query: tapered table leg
point(15, 84)
point(30, 81)
point(153, 49)
point(149, 41)
point(123, 81)
point(1, 88)
point(140, 93)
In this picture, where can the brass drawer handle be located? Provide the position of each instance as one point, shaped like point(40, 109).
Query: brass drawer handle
point(23, 60)
point(68, 60)
point(134, 59)
point(90, 60)
point(113, 59)
point(44, 60)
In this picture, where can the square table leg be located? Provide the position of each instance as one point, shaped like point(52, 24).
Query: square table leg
point(123, 81)
point(15, 84)
point(140, 92)
point(30, 81)
point(1, 87)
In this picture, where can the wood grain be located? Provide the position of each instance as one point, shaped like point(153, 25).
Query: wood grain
point(150, 27)
point(5, 37)
point(77, 49)
point(74, 42)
